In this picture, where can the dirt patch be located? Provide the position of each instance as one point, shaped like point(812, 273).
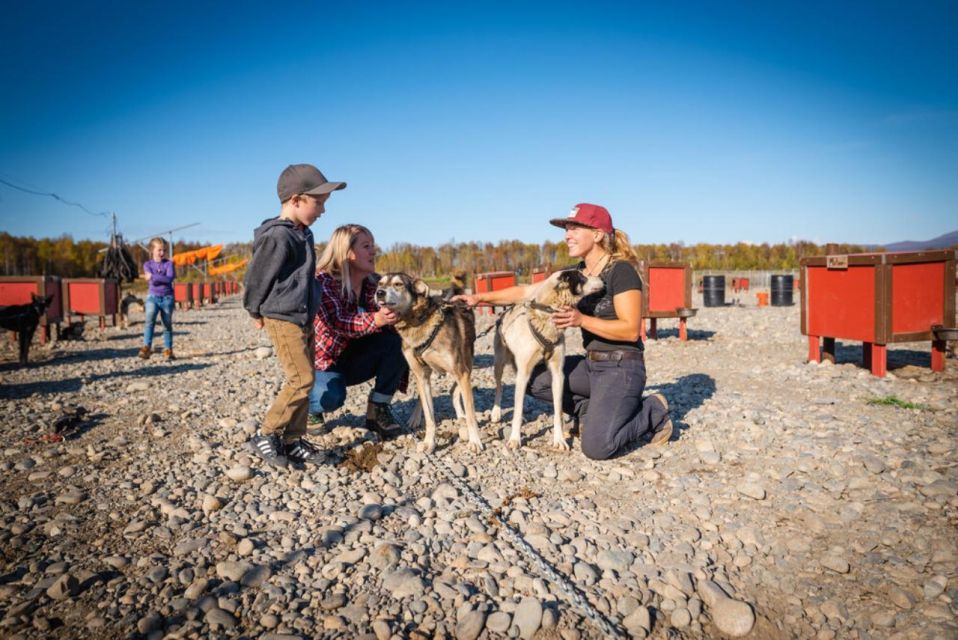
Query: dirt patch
point(363, 459)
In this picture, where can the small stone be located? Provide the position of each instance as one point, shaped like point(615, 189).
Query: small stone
point(232, 570)
point(382, 629)
point(211, 504)
point(262, 353)
point(751, 490)
point(681, 618)
point(216, 617)
point(403, 582)
point(370, 512)
point(836, 564)
point(528, 617)
point(470, 624)
point(239, 473)
point(66, 586)
point(638, 619)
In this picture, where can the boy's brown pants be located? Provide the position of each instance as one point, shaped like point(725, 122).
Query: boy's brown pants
point(294, 348)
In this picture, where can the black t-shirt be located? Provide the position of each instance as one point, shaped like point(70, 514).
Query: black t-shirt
point(618, 276)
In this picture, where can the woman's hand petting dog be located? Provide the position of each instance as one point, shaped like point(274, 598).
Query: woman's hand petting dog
point(471, 299)
point(567, 317)
point(385, 317)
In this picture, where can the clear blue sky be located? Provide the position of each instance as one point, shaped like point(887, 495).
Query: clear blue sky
point(692, 122)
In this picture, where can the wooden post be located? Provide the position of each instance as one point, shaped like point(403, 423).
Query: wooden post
point(938, 355)
point(879, 356)
point(814, 349)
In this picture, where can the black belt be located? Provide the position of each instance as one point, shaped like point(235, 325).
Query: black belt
point(614, 356)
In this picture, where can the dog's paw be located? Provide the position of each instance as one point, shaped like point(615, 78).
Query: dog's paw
point(475, 446)
point(496, 415)
point(426, 446)
point(560, 444)
point(513, 443)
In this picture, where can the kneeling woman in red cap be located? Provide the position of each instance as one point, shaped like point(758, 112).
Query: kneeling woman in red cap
point(603, 388)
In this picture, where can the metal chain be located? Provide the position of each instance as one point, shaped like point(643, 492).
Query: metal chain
point(520, 544)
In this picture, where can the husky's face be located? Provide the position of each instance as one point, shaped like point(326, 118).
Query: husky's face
point(567, 287)
point(399, 292)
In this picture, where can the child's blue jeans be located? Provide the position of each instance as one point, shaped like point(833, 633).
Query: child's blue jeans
point(162, 305)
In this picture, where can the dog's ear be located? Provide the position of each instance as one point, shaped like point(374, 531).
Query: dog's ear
point(421, 287)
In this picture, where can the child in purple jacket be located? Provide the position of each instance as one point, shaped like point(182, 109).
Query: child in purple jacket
point(159, 273)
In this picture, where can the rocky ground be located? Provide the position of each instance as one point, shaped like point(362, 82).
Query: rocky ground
point(788, 505)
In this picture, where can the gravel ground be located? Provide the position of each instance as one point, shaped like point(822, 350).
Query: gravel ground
point(786, 506)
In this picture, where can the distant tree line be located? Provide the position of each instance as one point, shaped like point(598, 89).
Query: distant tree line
point(77, 259)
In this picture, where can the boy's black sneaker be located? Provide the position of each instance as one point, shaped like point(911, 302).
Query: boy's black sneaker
point(302, 451)
point(269, 448)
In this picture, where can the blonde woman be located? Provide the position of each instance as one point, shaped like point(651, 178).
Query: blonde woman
point(603, 388)
point(354, 338)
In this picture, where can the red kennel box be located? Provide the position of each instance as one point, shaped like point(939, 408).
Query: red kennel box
point(878, 299)
point(91, 296)
point(494, 281)
point(18, 289)
point(668, 294)
point(538, 275)
point(183, 294)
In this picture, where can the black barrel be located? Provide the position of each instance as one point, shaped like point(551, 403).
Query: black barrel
point(713, 291)
point(782, 289)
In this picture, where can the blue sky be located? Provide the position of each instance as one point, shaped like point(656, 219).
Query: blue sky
point(692, 122)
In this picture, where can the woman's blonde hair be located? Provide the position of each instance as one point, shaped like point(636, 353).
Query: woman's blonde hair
point(619, 247)
point(157, 241)
point(335, 257)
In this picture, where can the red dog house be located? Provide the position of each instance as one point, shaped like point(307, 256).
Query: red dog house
point(91, 296)
point(183, 294)
point(878, 299)
point(538, 275)
point(18, 289)
point(668, 295)
point(494, 281)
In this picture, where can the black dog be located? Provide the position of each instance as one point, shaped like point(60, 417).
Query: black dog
point(24, 318)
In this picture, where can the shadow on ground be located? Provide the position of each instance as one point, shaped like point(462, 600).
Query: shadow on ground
point(70, 385)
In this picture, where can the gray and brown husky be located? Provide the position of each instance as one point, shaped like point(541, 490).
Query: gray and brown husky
point(436, 336)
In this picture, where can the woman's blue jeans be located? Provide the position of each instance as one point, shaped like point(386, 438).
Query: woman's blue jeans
point(162, 305)
point(378, 355)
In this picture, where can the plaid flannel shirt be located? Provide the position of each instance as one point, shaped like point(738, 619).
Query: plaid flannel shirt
point(340, 320)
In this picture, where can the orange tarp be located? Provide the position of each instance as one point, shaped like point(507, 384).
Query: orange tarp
point(227, 268)
point(190, 257)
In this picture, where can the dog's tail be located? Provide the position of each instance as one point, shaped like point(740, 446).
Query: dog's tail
point(457, 286)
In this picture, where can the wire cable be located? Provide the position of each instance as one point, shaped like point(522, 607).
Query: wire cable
point(55, 197)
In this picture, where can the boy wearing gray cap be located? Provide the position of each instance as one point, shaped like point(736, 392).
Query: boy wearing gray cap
point(281, 297)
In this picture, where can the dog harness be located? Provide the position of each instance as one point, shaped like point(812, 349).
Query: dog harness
point(420, 348)
point(548, 346)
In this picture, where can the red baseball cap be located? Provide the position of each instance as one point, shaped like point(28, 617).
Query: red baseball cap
point(587, 215)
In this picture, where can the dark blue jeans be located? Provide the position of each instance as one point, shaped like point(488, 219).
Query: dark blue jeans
point(162, 305)
point(377, 355)
point(607, 399)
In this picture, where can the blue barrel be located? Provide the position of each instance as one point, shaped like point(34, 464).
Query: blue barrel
point(783, 288)
point(713, 291)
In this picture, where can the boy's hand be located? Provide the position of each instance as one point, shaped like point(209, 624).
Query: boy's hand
point(385, 317)
point(258, 323)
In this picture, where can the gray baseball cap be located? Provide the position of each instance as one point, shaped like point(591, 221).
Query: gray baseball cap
point(304, 178)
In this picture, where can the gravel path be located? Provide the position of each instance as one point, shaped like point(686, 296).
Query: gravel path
point(786, 506)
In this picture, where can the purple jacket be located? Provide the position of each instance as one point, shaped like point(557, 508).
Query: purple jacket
point(161, 277)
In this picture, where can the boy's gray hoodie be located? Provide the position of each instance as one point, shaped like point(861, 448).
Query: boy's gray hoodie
point(281, 280)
